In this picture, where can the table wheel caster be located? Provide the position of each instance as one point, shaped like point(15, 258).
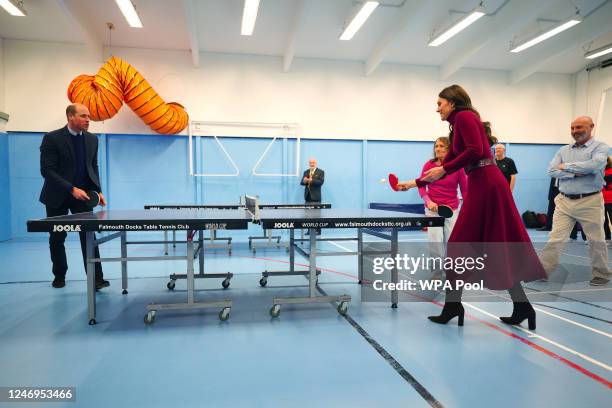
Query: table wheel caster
point(263, 282)
point(225, 283)
point(275, 310)
point(342, 308)
point(171, 285)
point(92, 322)
point(224, 313)
point(124, 292)
point(149, 317)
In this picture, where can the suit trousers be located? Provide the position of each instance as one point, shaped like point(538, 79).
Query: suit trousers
point(57, 239)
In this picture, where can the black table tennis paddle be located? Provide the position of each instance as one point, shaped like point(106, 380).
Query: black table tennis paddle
point(445, 211)
point(94, 199)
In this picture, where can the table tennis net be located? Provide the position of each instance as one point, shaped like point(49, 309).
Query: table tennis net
point(252, 206)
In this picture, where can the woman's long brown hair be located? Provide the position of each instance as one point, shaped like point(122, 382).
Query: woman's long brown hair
point(462, 101)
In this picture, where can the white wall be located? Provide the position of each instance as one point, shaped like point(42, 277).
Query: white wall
point(330, 99)
point(589, 88)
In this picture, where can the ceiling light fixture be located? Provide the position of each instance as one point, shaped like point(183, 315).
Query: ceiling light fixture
point(129, 12)
point(554, 30)
point(358, 20)
point(249, 15)
point(456, 28)
point(607, 49)
point(13, 7)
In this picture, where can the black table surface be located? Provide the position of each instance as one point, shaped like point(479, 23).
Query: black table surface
point(233, 206)
point(143, 220)
point(344, 218)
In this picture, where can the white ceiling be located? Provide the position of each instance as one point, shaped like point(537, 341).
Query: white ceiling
point(397, 32)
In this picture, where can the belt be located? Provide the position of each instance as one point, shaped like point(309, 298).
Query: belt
point(479, 163)
point(578, 196)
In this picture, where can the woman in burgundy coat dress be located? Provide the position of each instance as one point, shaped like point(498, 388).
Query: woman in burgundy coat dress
point(488, 218)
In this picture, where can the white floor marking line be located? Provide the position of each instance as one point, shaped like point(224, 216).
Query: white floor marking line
point(576, 256)
point(552, 292)
point(608, 335)
point(534, 335)
point(341, 247)
point(547, 340)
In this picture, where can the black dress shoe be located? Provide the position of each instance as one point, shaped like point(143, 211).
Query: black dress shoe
point(102, 284)
point(58, 283)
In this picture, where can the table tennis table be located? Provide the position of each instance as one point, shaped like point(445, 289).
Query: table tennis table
point(201, 239)
point(119, 222)
point(271, 241)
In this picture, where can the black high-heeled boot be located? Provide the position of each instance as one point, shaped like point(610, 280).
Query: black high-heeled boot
point(522, 308)
point(452, 308)
point(450, 311)
point(522, 311)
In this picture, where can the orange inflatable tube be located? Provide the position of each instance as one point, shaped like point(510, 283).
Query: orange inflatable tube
point(116, 82)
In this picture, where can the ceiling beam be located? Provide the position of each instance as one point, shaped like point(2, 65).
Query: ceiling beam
point(592, 27)
point(291, 43)
point(407, 14)
point(192, 30)
point(506, 21)
point(78, 18)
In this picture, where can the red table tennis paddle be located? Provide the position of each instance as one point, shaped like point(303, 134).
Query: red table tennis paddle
point(393, 180)
point(445, 211)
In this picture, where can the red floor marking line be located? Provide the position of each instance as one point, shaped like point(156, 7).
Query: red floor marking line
point(532, 344)
point(549, 353)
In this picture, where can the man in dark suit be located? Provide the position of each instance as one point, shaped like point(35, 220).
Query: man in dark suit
point(312, 181)
point(69, 165)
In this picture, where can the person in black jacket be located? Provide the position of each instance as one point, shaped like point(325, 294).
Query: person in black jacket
point(553, 190)
point(69, 166)
point(313, 179)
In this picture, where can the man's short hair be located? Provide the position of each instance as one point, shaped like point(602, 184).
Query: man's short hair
point(71, 110)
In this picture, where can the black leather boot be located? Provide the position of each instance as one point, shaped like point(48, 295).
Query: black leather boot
point(452, 308)
point(522, 311)
point(450, 311)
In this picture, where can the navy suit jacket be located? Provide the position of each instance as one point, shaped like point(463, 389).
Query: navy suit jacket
point(312, 192)
point(58, 166)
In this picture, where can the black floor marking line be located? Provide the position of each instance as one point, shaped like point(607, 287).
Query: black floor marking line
point(431, 400)
point(129, 278)
point(569, 298)
point(572, 312)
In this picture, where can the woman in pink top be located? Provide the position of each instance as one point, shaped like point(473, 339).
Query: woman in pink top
point(442, 192)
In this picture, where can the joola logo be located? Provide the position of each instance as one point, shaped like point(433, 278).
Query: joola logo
point(283, 225)
point(66, 228)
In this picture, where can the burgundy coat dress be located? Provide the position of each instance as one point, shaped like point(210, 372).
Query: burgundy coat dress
point(488, 222)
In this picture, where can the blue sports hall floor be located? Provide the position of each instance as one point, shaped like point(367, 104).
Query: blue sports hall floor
point(310, 355)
